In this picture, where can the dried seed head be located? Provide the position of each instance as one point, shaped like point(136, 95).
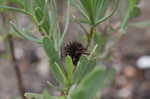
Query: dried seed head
point(74, 50)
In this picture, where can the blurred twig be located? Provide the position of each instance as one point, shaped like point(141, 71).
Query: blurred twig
point(61, 8)
point(16, 67)
point(13, 59)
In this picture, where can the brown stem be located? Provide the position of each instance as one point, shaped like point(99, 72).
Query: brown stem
point(16, 67)
point(13, 59)
point(90, 36)
point(61, 9)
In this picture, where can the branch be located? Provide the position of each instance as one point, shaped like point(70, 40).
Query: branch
point(16, 67)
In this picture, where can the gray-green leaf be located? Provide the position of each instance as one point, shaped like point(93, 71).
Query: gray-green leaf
point(90, 85)
point(28, 5)
point(48, 45)
point(69, 65)
point(26, 35)
point(84, 67)
point(33, 96)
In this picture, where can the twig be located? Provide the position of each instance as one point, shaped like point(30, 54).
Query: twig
point(16, 67)
point(13, 59)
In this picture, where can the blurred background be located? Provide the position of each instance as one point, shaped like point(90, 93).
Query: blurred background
point(131, 56)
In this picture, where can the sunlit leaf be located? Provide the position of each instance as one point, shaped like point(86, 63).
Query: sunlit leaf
point(69, 66)
point(136, 12)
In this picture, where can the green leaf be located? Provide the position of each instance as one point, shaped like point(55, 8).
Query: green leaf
point(43, 18)
point(33, 96)
point(26, 35)
point(46, 23)
point(14, 9)
point(55, 87)
point(69, 66)
point(110, 75)
point(93, 52)
point(94, 80)
point(96, 10)
point(38, 13)
point(101, 40)
point(61, 72)
point(53, 14)
point(124, 24)
point(42, 15)
point(101, 7)
point(28, 5)
point(111, 72)
point(48, 45)
point(142, 24)
point(66, 25)
point(46, 95)
point(81, 21)
point(136, 13)
point(133, 4)
point(84, 29)
point(131, 11)
point(111, 14)
point(40, 3)
point(80, 10)
point(54, 24)
point(21, 11)
point(84, 67)
point(19, 2)
point(3, 1)
point(89, 7)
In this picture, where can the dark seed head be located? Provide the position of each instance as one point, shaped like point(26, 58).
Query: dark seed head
point(74, 50)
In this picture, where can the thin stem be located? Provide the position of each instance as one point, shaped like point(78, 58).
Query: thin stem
point(27, 13)
point(67, 92)
point(16, 67)
point(90, 36)
point(36, 23)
